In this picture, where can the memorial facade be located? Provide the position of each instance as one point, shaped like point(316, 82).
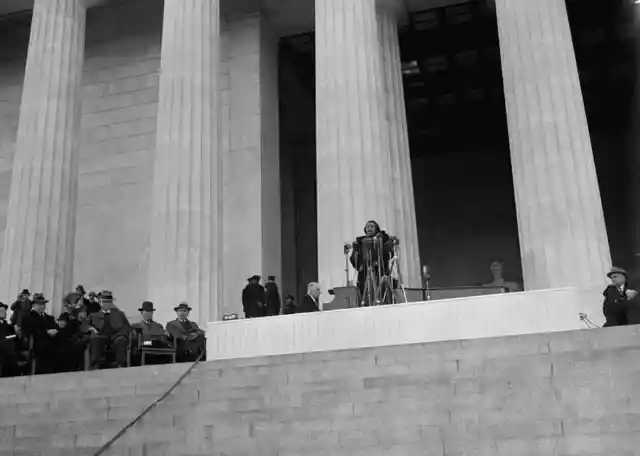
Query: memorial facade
point(169, 150)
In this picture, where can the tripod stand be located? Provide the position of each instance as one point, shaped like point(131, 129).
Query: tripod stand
point(394, 267)
point(377, 287)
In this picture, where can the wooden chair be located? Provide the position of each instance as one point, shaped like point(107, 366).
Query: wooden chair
point(108, 352)
point(145, 350)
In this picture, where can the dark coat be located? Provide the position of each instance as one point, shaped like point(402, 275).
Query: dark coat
point(188, 350)
point(615, 306)
point(118, 320)
point(272, 298)
point(150, 329)
point(37, 325)
point(6, 329)
point(254, 300)
point(179, 330)
point(20, 311)
point(307, 305)
point(359, 253)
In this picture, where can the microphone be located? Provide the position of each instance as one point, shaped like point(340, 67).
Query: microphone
point(426, 273)
point(347, 247)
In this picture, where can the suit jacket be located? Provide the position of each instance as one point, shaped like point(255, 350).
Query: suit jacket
point(272, 295)
point(152, 328)
point(6, 329)
point(37, 326)
point(253, 297)
point(118, 320)
point(308, 304)
point(179, 330)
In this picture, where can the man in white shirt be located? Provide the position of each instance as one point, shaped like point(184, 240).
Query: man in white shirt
point(311, 301)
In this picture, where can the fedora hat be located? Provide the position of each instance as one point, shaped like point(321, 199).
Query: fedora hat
point(147, 306)
point(38, 298)
point(182, 306)
point(617, 270)
point(254, 277)
point(25, 292)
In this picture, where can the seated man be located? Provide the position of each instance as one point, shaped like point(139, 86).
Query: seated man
point(8, 347)
point(152, 331)
point(189, 337)
point(42, 328)
point(108, 327)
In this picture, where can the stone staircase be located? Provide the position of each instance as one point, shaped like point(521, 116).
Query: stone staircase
point(572, 393)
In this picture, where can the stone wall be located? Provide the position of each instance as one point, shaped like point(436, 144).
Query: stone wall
point(570, 394)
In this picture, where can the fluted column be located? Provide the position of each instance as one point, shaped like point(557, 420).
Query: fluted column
point(396, 121)
point(563, 238)
point(184, 258)
point(353, 165)
point(39, 234)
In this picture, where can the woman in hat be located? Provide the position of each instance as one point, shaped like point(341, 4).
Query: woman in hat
point(618, 298)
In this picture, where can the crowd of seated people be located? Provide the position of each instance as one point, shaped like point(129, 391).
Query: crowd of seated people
point(90, 333)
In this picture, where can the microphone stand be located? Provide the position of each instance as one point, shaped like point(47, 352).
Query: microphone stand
point(426, 277)
point(396, 249)
point(346, 263)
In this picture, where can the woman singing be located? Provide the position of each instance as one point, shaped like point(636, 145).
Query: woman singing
point(370, 257)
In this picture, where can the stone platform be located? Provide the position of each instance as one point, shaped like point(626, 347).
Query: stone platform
point(556, 394)
point(447, 319)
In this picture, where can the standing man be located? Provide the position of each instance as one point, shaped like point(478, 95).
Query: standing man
point(109, 327)
point(253, 298)
point(311, 301)
point(617, 297)
point(272, 296)
point(186, 333)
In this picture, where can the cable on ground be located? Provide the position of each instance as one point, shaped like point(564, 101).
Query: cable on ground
point(124, 430)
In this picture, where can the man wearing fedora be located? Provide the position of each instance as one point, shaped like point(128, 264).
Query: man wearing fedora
point(186, 333)
point(149, 327)
point(619, 299)
point(42, 328)
point(109, 327)
point(254, 298)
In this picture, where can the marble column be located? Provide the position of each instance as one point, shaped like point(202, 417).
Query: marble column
point(563, 238)
point(353, 164)
point(396, 122)
point(39, 234)
point(250, 151)
point(185, 248)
